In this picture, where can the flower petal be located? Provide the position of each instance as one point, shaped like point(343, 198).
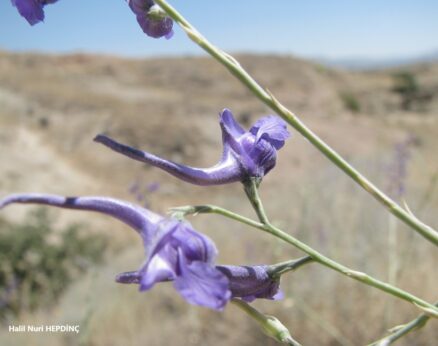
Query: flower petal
point(140, 6)
point(202, 284)
point(159, 269)
point(195, 246)
point(161, 255)
point(31, 10)
point(156, 28)
point(230, 124)
point(264, 157)
point(162, 235)
point(153, 27)
point(271, 128)
point(169, 35)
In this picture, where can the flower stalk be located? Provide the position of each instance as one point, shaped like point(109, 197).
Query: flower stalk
point(277, 270)
point(250, 186)
point(268, 99)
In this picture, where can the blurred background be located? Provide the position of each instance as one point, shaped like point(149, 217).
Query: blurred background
point(364, 76)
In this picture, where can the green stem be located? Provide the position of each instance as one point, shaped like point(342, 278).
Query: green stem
point(277, 270)
point(358, 276)
point(267, 98)
point(254, 313)
point(270, 325)
point(250, 186)
point(318, 257)
point(213, 209)
point(401, 331)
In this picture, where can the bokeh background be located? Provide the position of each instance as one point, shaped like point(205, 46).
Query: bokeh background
point(364, 76)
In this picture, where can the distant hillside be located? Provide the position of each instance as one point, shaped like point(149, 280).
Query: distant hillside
point(359, 63)
point(61, 102)
point(51, 108)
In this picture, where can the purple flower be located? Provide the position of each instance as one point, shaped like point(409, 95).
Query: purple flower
point(251, 282)
point(153, 21)
point(245, 282)
point(153, 187)
point(398, 168)
point(32, 10)
point(246, 154)
point(174, 250)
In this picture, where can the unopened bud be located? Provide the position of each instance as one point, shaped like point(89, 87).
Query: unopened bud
point(270, 325)
point(273, 328)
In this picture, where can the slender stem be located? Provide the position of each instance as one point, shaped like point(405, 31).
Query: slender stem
point(317, 257)
point(277, 270)
point(401, 331)
point(213, 209)
point(270, 325)
point(254, 313)
point(393, 263)
point(250, 186)
point(356, 275)
point(267, 98)
point(258, 206)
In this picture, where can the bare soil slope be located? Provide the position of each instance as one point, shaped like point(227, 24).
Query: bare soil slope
point(51, 107)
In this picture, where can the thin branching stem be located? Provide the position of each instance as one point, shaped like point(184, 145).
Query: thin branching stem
point(250, 186)
point(318, 257)
point(400, 331)
point(279, 269)
point(267, 98)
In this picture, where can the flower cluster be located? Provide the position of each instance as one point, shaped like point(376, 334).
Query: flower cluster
point(246, 154)
point(174, 252)
point(153, 21)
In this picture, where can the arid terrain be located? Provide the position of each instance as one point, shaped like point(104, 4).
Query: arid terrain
point(51, 107)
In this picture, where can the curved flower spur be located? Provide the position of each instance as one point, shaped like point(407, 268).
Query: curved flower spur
point(174, 252)
point(246, 154)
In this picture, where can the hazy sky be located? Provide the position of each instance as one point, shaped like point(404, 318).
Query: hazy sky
point(312, 28)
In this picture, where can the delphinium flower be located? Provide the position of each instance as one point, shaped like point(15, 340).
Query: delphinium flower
point(252, 282)
point(174, 252)
point(153, 21)
point(246, 154)
point(140, 190)
point(32, 10)
point(398, 168)
point(245, 282)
